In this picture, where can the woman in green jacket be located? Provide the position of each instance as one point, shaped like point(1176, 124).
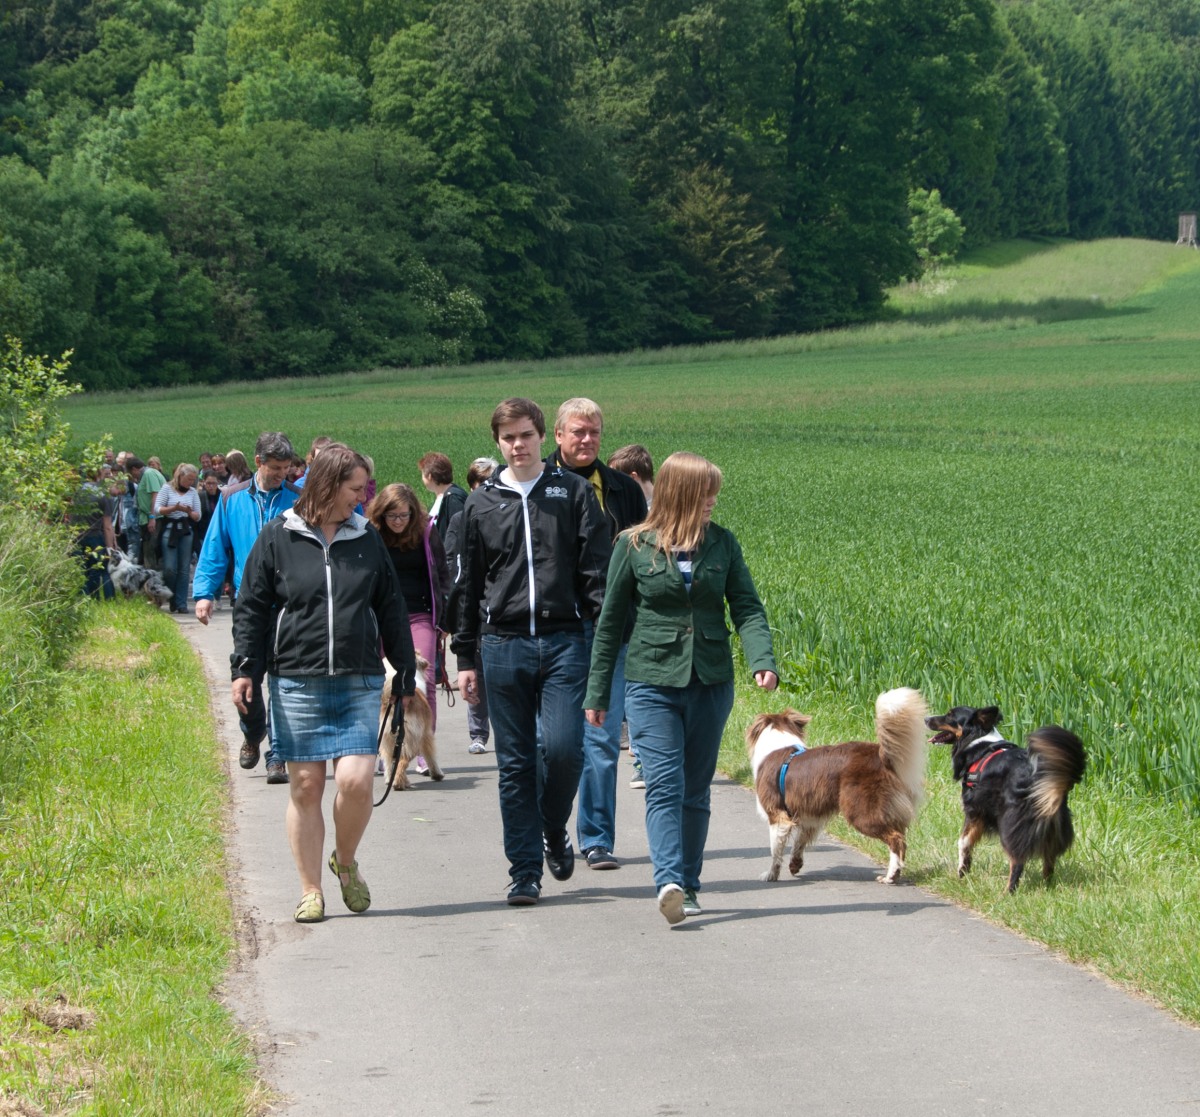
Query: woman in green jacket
point(677, 571)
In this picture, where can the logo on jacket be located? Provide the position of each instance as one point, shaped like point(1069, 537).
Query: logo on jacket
point(557, 491)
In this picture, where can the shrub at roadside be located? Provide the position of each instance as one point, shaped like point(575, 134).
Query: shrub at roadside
point(41, 613)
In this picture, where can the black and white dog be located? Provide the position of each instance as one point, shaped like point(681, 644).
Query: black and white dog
point(131, 579)
point(1019, 794)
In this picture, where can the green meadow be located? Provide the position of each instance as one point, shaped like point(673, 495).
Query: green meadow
point(990, 496)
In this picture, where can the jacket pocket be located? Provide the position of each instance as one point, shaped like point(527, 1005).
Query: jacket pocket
point(658, 644)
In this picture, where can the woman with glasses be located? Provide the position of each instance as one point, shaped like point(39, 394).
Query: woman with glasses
point(420, 562)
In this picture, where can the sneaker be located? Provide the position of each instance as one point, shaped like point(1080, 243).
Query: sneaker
point(249, 753)
point(477, 746)
point(276, 772)
point(670, 903)
point(691, 906)
point(421, 767)
point(379, 766)
point(560, 857)
point(524, 893)
point(600, 858)
point(639, 779)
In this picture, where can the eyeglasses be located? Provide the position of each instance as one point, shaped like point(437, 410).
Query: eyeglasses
point(398, 517)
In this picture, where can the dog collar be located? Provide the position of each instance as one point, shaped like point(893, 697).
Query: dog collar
point(796, 751)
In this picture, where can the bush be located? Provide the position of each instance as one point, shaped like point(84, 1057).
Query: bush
point(42, 609)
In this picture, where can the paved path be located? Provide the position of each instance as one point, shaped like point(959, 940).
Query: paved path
point(836, 995)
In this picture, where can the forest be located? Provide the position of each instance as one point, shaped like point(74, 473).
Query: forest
point(206, 190)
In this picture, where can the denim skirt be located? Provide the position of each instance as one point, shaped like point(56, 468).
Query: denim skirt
point(323, 717)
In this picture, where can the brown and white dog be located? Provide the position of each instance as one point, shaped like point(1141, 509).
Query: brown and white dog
point(418, 732)
point(876, 787)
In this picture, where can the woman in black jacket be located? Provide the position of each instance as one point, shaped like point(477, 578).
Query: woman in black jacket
point(318, 596)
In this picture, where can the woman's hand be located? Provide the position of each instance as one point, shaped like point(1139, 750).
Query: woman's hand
point(768, 680)
point(595, 717)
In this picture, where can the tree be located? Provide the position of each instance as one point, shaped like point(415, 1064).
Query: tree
point(937, 233)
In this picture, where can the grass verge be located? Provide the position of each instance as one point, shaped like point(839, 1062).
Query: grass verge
point(118, 928)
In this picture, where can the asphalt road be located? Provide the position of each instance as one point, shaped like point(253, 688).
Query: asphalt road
point(831, 995)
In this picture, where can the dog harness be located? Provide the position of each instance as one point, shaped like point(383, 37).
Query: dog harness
point(796, 751)
point(976, 769)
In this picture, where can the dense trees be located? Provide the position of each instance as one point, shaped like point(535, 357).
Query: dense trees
point(202, 189)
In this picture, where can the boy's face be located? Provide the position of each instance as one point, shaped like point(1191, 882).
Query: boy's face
point(520, 445)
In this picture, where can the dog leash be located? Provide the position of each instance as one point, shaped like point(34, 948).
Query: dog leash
point(393, 708)
point(443, 679)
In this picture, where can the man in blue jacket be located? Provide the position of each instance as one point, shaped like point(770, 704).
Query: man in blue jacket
point(241, 513)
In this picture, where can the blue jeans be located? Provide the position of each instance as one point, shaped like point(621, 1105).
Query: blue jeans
point(678, 733)
point(535, 681)
point(177, 566)
point(596, 822)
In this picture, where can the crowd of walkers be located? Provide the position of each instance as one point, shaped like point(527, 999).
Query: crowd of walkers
point(577, 598)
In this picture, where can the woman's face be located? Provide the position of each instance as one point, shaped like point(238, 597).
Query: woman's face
point(186, 481)
point(352, 491)
point(218, 462)
point(709, 504)
point(398, 517)
point(211, 485)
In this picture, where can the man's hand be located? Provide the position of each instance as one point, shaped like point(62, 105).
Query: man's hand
point(243, 691)
point(467, 687)
point(595, 717)
point(152, 527)
point(204, 608)
point(768, 680)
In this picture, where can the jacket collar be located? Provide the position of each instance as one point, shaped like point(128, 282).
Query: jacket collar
point(353, 528)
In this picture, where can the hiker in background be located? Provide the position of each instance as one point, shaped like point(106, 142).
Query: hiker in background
point(177, 507)
point(437, 475)
point(241, 514)
point(478, 726)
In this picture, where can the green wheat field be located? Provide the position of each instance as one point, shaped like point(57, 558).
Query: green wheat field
point(991, 496)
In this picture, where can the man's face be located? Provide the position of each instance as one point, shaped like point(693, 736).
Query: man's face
point(271, 471)
point(578, 441)
point(520, 444)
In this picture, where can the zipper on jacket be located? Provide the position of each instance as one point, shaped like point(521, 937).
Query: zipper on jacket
point(529, 564)
point(329, 601)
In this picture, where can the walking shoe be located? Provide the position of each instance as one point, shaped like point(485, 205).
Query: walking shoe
point(248, 755)
point(670, 903)
point(524, 893)
point(560, 857)
point(639, 779)
point(421, 767)
point(276, 771)
point(691, 906)
point(311, 908)
point(477, 746)
point(600, 858)
point(379, 766)
point(355, 892)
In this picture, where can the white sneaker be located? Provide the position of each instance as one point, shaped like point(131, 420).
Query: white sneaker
point(477, 746)
point(670, 903)
point(421, 767)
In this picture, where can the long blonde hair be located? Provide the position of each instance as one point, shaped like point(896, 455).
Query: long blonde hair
point(684, 484)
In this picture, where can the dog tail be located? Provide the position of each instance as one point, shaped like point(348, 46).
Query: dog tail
point(900, 730)
point(1058, 764)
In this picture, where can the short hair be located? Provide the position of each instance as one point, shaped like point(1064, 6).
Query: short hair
point(480, 470)
point(132, 463)
point(580, 407)
point(634, 458)
point(514, 408)
point(274, 446)
point(398, 496)
point(334, 465)
point(318, 444)
point(155, 462)
point(437, 468)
